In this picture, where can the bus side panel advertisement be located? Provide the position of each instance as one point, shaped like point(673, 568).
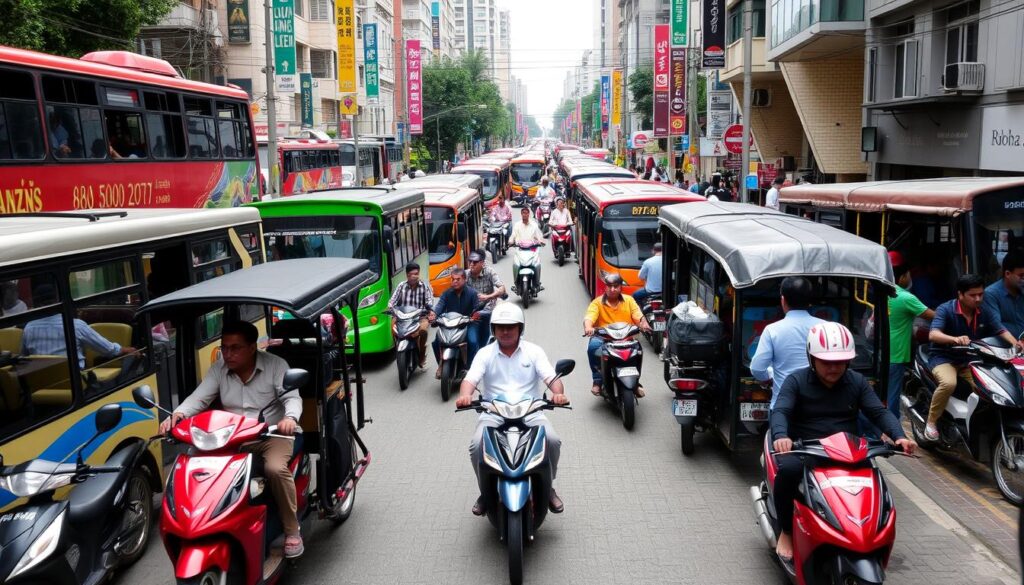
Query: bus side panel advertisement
point(170, 184)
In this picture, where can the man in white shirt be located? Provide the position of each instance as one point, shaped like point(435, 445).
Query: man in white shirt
point(772, 199)
point(560, 217)
point(545, 192)
point(512, 366)
point(527, 231)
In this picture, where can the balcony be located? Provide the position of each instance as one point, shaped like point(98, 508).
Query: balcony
point(734, 61)
point(964, 78)
point(803, 30)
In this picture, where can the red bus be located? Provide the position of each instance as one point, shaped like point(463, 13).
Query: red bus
point(617, 224)
point(116, 129)
point(306, 165)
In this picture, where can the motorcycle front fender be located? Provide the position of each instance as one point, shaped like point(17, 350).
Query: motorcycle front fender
point(449, 353)
point(867, 570)
point(402, 345)
point(199, 557)
point(525, 272)
point(514, 493)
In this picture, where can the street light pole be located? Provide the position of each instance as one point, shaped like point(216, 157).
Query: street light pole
point(437, 117)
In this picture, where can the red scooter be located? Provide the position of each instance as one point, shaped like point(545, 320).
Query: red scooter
point(844, 520)
point(561, 242)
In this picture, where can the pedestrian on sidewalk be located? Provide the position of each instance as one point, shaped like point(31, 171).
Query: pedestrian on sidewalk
point(771, 200)
point(903, 309)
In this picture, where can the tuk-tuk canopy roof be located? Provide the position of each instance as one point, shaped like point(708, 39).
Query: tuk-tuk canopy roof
point(754, 243)
point(304, 287)
point(949, 196)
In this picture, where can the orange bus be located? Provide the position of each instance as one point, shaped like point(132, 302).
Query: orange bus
point(454, 218)
point(617, 223)
point(117, 129)
point(495, 174)
point(527, 171)
point(307, 165)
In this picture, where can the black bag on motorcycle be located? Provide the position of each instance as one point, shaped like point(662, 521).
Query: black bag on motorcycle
point(695, 338)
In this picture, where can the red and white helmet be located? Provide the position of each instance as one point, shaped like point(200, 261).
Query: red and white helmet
point(831, 342)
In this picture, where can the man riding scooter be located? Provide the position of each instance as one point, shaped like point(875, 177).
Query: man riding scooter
point(246, 381)
point(526, 231)
point(512, 365)
point(816, 402)
point(486, 282)
point(611, 307)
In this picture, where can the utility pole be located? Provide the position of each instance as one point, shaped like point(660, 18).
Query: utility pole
point(748, 39)
point(272, 157)
point(693, 54)
point(355, 140)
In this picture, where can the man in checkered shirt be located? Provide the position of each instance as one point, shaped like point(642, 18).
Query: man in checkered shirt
point(415, 293)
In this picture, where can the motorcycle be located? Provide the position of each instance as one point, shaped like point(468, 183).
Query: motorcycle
point(654, 310)
point(621, 359)
point(515, 473)
point(844, 518)
point(987, 420)
point(524, 268)
point(407, 350)
point(542, 213)
point(496, 232)
point(453, 339)
point(103, 525)
point(560, 242)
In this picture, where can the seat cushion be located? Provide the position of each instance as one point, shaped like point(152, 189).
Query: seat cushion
point(92, 499)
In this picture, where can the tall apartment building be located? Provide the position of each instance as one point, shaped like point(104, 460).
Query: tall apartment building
point(503, 55)
point(189, 38)
point(418, 18)
point(477, 28)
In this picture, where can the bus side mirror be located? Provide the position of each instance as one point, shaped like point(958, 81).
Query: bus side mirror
point(597, 224)
point(462, 231)
point(389, 240)
point(108, 417)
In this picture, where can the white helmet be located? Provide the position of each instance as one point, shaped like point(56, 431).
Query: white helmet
point(830, 342)
point(508, 314)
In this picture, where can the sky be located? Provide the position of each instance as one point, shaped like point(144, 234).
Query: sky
point(548, 39)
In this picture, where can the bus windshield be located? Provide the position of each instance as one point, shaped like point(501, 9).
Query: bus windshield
point(439, 233)
point(626, 243)
point(490, 188)
point(324, 237)
point(263, 156)
point(527, 174)
point(348, 155)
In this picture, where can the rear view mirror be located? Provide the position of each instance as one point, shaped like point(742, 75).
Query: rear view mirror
point(108, 417)
point(143, 396)
point(462, 232)
point(295, 378)
point(564, 367)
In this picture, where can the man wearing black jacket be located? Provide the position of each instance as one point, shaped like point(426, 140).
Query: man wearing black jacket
point(816, 402)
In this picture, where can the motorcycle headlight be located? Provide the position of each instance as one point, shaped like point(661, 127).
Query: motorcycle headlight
point(512, 411)
point(235, 492)
point(30, 483)
point(41, 548)
point(205, 441)
point(536, 459)
point(370, 300)
point(817, 502)
point(490, 460)
point(1000, 399)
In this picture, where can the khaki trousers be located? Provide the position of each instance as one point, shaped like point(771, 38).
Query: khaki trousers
point(276, 453)
point(946, 375)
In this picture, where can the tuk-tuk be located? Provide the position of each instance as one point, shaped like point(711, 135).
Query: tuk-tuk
point(723, 265)
point(297, 304)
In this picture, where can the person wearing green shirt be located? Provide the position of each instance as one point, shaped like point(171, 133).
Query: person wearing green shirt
point(903, 309)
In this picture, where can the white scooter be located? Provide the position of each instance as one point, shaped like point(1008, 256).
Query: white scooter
point(525, 265)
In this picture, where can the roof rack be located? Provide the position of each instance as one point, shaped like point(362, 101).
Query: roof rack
point(62, 214)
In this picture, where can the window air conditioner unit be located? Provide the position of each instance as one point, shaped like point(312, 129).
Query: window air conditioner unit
point(760, 98)
point(965, 77)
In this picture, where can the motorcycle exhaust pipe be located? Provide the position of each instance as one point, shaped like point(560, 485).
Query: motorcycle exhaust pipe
point(763, 520)
point(909, 407)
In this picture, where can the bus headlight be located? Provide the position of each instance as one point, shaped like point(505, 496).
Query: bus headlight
point(370, 300)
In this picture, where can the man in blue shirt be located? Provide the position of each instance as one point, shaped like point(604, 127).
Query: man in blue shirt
point(650, 273)
point(45, 336)
point(463, 300)
point(958, 322)
point(782, 347)
point(1003, 297)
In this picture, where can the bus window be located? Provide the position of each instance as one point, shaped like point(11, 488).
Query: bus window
point(79, 116)
point(164, 126)
point(348, 155)
point(323, 237)
point(202, 132)
point(234, 131)
point(21, 135)
point(125, 132)
point(626, 243)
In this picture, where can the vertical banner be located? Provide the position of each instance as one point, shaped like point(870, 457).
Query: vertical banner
point(713, 32)
point(435, 27)
point(579, 121)
point(284, 45)
point(238, 21)
point(677, 18)
point(413, 73)
point(371, 70)
point(662, 72)
point(677, 93)
point(306, 88)
point(606, 105)
point(346, 27)
point(616, 96)
point(595, 121)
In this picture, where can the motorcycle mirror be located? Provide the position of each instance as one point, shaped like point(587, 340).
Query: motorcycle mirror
point(143, 396)
point(295, 378)
point(564, 367)
point(108, 417)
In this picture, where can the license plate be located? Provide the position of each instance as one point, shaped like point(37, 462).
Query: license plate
point(753, 411)
point(658, 326)
point(629, 372)
point(684, 407)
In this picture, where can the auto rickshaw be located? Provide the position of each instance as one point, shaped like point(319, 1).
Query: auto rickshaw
point(297, 304)
point(723, 266)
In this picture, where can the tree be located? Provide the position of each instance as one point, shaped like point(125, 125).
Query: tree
point(641, 87)
point(75, 27)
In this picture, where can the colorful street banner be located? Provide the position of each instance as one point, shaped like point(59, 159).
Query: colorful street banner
point(371, 70)
point(677, 93)
point(306, 89)
point(662, 71)
point(345, 17)
point(238, 21)
point(595, 120)
point(579, 119)
point(413, 73)
point(435, 26)
point(606, 99)
point(677, 18)
point(284, 45)
point(713, 32)
point(616, 96)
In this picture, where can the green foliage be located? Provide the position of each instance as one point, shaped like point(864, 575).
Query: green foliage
point(641, 88)
point(702, 94)
point(75, 27)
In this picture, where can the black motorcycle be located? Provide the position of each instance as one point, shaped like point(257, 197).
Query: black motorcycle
point(407, 349)
point(453, 341)
point(496, 233)
point(654, 310)
point(621, 360)
point(103, 524)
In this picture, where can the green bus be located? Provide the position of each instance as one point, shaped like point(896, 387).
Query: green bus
point(379, 224)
